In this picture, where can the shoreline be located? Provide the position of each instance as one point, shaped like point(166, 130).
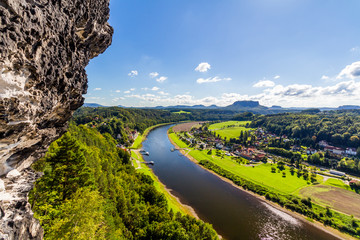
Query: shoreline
point(184, 208)
point(332, 231)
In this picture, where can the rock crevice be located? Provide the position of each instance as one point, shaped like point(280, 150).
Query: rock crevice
point(45, 46)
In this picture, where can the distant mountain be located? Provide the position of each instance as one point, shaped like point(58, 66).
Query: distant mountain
point(275, 107)
point(251, 106)
point(92, 105)
point(187, 107)
point(346, 107)
point(244, 104)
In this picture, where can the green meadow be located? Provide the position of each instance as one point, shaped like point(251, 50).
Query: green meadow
point(229, 129)
point(181, 112)
point(259, 173)
point(220, 125)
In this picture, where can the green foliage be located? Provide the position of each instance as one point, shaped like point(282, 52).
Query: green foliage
point(90, 191)
point(338, 127)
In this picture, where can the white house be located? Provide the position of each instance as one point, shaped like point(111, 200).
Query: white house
point(350, 151)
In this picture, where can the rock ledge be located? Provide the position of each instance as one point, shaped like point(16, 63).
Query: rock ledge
point(45, 46)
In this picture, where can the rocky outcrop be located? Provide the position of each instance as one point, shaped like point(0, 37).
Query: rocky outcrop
point(44, 48)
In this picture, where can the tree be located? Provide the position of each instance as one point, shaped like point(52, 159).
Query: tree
point(281, 165)
point(81, 217)
point(292, 170)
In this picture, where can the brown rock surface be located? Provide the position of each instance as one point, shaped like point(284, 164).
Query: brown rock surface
point(45, 46)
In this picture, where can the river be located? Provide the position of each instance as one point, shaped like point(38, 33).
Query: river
point(235, 214)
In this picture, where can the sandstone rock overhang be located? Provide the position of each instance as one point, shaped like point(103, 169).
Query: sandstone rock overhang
point(45, 46)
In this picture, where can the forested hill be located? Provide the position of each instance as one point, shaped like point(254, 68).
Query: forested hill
point(120, 122)
point(90, 191)
point(341, 128)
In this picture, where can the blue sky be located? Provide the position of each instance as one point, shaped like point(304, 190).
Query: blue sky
point(301, 53)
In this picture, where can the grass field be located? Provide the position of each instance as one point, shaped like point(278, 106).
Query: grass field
point(228, 123)
point(337, 183)
point(181, 112)
point(172, 201)
point(260, 173)
point(177, 141)
point(224, 129)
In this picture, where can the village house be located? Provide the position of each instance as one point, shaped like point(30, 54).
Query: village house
point(350, 151)
point(335, 150)
point(219, 146)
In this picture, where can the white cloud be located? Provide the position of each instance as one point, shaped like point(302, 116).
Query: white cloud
point(277, 77)
point(153, 74)
point(163, 93)
point(351, 71)
point(94, 98)
point(145, 88)
point(117, 99)
point(294, 95)
point(264, 83)
point(117, 91)
point(203, 67)
point(161, 79)
point(324, 77)
point(127, 92)
point(133, 73)
point(211, 80)
point(97, 89)
point(155, 88)
point(132, 89)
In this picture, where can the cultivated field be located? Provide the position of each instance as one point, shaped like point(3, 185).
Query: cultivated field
point(337, 198)
point(230, 129)
point(185, 126)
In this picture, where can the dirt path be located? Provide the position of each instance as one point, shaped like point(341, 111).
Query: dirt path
point(137, 152)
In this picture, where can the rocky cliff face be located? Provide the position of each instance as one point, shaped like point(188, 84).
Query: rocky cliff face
point(44, 48)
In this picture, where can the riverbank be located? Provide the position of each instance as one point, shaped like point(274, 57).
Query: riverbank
point(141, 137)
point(174, 202)
point(319, 225)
